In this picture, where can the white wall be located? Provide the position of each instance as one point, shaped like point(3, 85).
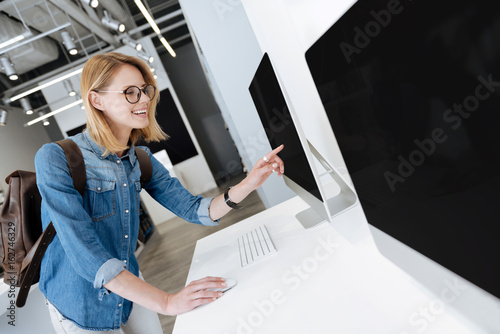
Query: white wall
point(19, 144)
point(231, 54)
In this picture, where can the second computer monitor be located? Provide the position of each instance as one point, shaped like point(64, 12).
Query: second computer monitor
point(300, 174)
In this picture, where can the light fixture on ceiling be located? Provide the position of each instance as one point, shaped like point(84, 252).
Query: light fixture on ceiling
point(8, 68)
point(153, 70)
point(129, 41)
point(167, 46)
point(46, 122)
point(52, 113)
point(15, 39)
point(69, 88)
point(68, 43)
point(26, 105)
point(155, 27)
point(79, 98)
point(91, 3)
point(146, 57)
point(111, 23)
point(42, 86)
point(3, 117)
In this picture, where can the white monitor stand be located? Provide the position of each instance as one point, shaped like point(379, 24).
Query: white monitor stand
point(331, 206)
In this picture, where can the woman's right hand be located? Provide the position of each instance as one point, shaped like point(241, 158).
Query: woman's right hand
point(194, 295)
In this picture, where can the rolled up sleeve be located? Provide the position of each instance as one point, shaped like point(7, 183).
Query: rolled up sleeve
point(204, 213)
point(108, 271)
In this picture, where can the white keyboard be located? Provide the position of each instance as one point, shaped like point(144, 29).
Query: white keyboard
point(255, 245)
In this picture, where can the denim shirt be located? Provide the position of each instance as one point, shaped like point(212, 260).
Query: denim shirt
point(97, 235)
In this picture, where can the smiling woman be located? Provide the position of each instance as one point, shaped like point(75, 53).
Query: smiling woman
point(115, 72)
point(92, 254)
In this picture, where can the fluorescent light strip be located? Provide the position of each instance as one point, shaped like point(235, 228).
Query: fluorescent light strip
point(47, 84)
point(52, 113)
point(153, 25)
point(11, 41)
point(147, 16)
point(167, 46)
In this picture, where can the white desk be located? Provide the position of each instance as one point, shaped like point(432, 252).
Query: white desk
point(316, 283)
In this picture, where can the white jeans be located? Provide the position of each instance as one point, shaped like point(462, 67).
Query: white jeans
point(140, 321)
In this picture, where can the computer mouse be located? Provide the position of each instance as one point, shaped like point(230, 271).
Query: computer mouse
point(230, 283)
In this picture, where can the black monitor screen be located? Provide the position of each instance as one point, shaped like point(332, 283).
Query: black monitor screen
point(278, 124)
point(179, 146)
point(412, 92)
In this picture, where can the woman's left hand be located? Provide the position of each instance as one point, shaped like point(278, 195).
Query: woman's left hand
point(264, 167)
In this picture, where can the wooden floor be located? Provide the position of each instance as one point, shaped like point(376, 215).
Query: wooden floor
point(166, 259)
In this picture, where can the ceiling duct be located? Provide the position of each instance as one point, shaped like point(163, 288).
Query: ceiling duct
point(30, 56)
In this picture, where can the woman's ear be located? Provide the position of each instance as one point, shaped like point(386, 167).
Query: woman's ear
point(96, 101)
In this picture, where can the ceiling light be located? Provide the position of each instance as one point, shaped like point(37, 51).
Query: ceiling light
point(52, 113)
point(153, 25)
point(11, 41)
point(8, 68)
point(3, 117)
point(46, 122)
point(146, 57)
point(167, 46)
point(148, 16)
point(47, 84)
point(69, 88)
point(15, 39)
point(26, 105)
point(111, 23)
point(127, 40)
point(68, 43)
point(91, 3)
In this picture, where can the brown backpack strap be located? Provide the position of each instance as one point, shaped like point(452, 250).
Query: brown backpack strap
point(33, 259)
point(76, 164)
point(146, 173)
point(145, 165)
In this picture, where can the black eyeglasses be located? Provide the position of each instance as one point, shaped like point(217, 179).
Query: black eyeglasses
point(133, 93)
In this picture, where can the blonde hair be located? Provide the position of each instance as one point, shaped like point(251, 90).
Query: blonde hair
point(97, 74)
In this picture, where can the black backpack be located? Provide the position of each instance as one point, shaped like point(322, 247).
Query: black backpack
point(22, 243)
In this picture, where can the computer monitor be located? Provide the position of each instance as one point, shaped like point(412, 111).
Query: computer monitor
point(301, 174)
point(411, 90)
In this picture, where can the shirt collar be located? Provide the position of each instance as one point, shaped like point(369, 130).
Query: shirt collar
point(99, 150)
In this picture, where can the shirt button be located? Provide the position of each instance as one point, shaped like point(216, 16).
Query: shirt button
point(118, 161)
point(124, 184)
point(120, 305)
point(125, 261)
point(98, 188)
point(126, 211)
point(126, 236)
